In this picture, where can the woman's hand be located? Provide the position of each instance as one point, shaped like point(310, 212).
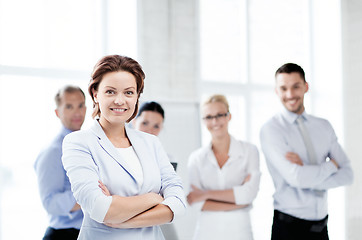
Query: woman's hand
point(116, 225)
point(196, 195)
point(151, 198)
point(294, 158)
point(155, 197)
point(247, 179)
point(104, 188)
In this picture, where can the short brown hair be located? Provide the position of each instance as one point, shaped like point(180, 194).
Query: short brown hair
point(66, 89)
point(115, 63)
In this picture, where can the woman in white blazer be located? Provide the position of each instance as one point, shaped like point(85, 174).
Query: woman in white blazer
point(145, 190)
point(224, 178)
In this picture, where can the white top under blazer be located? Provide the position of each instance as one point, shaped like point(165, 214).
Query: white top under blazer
point(89, 156)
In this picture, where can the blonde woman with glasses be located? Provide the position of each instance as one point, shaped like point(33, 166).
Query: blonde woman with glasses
point(224, 178)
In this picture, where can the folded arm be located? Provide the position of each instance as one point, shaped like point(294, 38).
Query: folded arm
point(237, 197)
point(84, 176)
point(344, 175)
point(248, 190)
point(125, 208)
point(156, 215)
point(212, 200)
point(275, 150)
point(198, 195)
point(215, 200)
point(76, 207)
point(211, 205)
point(338, 158)
point(51, 178)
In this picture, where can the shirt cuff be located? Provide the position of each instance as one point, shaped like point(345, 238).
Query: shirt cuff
point(331, 167)
point(100, 209)
point(198, 205)
point(72, 215)
point(176, 206)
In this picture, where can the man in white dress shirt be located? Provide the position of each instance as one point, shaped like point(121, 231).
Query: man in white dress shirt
point(304, 159)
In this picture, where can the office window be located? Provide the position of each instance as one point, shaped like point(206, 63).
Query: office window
point(222, 54)
point(45, 45)
point(278, 33)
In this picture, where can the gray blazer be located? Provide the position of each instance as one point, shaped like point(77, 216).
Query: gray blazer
point(89, 156)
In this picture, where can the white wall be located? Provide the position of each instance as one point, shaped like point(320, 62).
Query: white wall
point(352, 103)
point(167, 48)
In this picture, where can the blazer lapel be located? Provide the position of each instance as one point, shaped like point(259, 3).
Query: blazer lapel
point(108, 147)
point(144, 155)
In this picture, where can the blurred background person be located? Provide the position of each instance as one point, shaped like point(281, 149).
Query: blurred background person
point(224, 178)
point(150, 119)
point(65, 216)
point(304, 159)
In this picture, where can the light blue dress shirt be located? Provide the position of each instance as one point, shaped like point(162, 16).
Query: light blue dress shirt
point(89, 156)
point(294, 184)
point(54, 186)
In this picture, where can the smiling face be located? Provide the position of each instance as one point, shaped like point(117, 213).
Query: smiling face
point(71, 110)
point(290, 88)
point(117, 97)
point(218, 123)
point(149, 122)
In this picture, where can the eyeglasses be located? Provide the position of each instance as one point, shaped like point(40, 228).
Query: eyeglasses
point(217, 117)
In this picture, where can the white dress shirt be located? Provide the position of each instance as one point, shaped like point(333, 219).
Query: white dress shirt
point(295, 184)
point(205, 173)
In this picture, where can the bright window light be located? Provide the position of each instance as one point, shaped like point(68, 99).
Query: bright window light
point(45, 45)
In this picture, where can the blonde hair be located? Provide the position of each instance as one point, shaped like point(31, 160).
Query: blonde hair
point(217, 98)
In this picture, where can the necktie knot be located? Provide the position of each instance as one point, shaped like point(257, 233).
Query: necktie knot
point(300, 120)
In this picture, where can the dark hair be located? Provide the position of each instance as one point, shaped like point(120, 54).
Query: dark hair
point(66, 89)
point(290, 68)
point(115, 63)
point(153, 107)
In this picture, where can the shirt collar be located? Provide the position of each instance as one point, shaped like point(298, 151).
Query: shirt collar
point(291, 117)
point(234, 148)
point(65, 131)
point(99, 132)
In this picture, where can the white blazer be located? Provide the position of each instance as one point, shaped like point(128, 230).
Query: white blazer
point(89, 156)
